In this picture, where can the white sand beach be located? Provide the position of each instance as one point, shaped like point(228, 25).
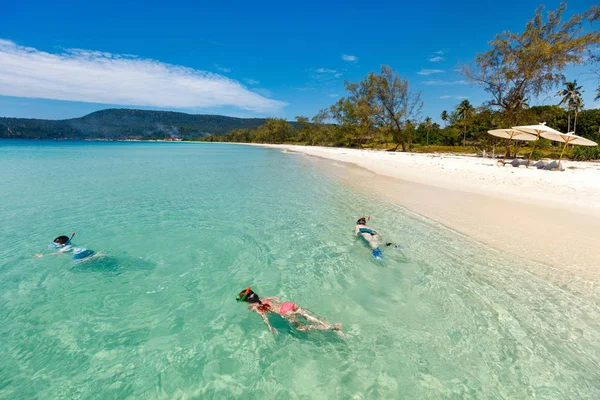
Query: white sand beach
point(549, 217)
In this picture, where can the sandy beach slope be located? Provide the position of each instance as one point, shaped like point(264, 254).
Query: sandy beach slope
point(552, 218)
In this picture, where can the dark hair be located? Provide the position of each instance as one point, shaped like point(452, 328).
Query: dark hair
point(251, 297)
point(61, 240)
point(361, 221)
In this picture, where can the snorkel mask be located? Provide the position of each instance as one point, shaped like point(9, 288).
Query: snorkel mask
point(249, 296)
point(58, 245)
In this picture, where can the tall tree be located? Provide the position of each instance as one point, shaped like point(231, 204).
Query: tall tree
point(304, 130)
point(464, 111)
point(522, 66)
point(353, 115)
point(380, 102)
point(444, 117)
point(274, 130)
point(428, 125)
point(396, 106)
point(572, 101)
point(595, 59)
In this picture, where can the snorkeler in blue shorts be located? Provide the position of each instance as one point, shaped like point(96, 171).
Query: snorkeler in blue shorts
point(63, 244)
point(371, 236)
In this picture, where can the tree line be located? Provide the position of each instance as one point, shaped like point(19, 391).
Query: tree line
point(463, 126)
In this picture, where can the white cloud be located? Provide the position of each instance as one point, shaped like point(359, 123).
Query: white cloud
point(347, 57)
point(263, 92)
point(437, 59)
point(440, 52)
point(252, 81)
point(222, 69)
point(91, 76)
point(333, 95)
point(434, 82)
point(325, 71)
point(430, 71)
point(454, 97)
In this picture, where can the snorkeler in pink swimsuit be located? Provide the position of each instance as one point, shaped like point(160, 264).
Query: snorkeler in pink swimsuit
point(288, 310)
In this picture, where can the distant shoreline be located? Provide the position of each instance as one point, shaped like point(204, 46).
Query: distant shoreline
point(103, 140)
point(547, 217)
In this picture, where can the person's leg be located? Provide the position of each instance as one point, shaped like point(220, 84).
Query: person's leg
point(305, 328)
point(337, 328)
point(320, 325)
point(296, 323)
point(293, 321)
point(370, 239)
point(304, 313)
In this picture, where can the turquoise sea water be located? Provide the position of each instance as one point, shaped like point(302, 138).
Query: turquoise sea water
point(182, 228)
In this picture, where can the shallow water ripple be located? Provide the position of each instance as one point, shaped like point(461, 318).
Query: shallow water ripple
point(182, 228)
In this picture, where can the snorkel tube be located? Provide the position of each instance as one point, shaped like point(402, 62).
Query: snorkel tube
point(71, 238)
point(243, 296)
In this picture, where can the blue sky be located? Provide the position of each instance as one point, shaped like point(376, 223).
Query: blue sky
point(248, 59)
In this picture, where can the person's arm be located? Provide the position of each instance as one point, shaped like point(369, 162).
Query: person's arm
point(42, 255)
point(356, 230)
point(264, 317)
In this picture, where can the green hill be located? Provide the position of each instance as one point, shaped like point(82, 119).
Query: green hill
point(125, 124)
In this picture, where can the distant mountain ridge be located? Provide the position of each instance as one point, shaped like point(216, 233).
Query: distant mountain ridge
point(125, 124)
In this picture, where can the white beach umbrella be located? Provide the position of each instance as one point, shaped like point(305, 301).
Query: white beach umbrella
point(512, 134)
point(537, 131)
point(568, 138)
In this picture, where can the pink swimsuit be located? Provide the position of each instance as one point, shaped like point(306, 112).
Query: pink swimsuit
point(285, 307)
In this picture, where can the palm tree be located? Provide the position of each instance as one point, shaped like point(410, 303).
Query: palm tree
point(445, 115)
point(577, 106)
point(596, 99)
point(464, 111)
point(428, 125)
point(571, 98)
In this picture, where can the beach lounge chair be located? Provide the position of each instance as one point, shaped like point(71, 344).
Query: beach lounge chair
point(554, 166)
point(541, 164)
point(517, 163)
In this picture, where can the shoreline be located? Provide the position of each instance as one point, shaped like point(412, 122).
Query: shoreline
point(546, 217)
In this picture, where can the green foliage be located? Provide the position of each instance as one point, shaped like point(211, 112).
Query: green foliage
point(537, 155)
point(584, 153)
point(125, 124)
point(274, 130)
point(446, 149)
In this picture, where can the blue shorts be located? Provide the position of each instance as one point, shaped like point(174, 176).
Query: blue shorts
point(83, 254)
point(366, 230)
